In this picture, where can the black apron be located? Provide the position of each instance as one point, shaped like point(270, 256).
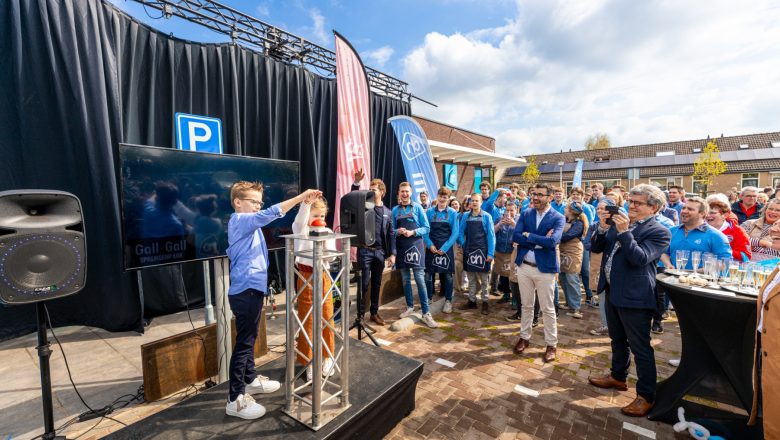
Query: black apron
point(475, 251)
point(411, 250)
point(440, 233)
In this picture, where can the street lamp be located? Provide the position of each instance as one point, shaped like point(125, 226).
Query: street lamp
point(560, 165)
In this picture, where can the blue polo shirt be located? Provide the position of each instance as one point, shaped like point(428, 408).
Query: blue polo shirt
point(677, 206)
point(247, 250)
point(704, 238)
point(560, 207)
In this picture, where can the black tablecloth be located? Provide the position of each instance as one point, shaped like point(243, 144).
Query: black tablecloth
point(718, 335)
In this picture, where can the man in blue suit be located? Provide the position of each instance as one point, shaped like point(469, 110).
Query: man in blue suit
point(631, 247)
point(537, 234)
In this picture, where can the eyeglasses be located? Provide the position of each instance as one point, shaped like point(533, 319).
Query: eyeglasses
point(255, 203)
point(637, 202)
point(539, 195)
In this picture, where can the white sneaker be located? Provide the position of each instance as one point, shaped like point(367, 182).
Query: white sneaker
point(309, 374)
point(262, 385)
point(428, 320)
point(408, 312)
point(447, 307)
point(674, 362)
point(245, 407)
point(328, 367)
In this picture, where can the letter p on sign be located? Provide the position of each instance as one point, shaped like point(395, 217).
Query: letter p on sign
point(198, 133)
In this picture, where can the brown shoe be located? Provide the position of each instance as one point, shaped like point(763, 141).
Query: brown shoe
point(484, 307)
point(549, 354)
point(608, 382)
point(521, 345)
point(376, 319)
point(638, 408)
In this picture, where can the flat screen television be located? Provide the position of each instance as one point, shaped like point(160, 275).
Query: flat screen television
point(176, 204)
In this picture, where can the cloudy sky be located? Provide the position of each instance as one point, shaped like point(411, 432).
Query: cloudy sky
point(543, 75)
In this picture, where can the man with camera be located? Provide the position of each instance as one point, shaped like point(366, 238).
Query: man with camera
point(632, 246)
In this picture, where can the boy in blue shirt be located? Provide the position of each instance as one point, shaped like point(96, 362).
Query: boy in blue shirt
point(478, 240)
point(439, 241)
point(248, 256)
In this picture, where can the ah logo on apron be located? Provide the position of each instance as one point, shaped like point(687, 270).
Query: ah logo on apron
point(441, 261)
point(412, 256)
point(477, 258)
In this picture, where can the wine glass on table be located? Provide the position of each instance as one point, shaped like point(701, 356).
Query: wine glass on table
point(695, 260)
point(682, 258)
point(734, 272)
point(723, 268)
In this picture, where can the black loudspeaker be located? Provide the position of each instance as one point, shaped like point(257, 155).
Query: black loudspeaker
point(42, 246)
point(356, 217)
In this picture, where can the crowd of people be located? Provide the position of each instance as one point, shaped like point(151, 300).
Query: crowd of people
point(599, 246)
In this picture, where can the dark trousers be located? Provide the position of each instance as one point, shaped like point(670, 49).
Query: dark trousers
point(515, 288)
point(660, 304)
point(372, 264)
point(629, 331)
point(246, 307)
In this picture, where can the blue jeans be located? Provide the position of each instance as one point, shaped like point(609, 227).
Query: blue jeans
point(570, 282)
point(445, 279)
point(419, 279)
point(585, 274)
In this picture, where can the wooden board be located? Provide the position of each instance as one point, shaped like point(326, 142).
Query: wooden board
point(173, 363)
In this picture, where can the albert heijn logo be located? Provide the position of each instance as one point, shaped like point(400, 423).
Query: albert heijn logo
point(477, 258)
point(441, 261)
point(198, 133)
point(412, 256)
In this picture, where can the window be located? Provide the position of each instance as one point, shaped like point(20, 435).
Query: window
point(477, 178)
point(608, 183)
point(664, 153)
point(775, 179)
point(664, 183)
point(568, 188)
point(699, 187)
point(749, 179)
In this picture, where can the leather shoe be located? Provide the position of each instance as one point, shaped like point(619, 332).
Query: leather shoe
point(608, 382)
point(549, 354)
point(376, 319)
point(521, 345)
point(484, 307)
point(638, 408)
point(469, 305)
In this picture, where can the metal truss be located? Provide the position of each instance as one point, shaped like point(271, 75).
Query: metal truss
point(270, 40)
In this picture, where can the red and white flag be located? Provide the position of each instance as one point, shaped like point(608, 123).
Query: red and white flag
point(354, 147)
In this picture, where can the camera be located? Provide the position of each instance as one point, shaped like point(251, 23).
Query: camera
point(612, 210)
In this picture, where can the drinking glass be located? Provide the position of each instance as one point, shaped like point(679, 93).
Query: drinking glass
point(678, 257)
point(683, 254)
point(734, 272)
point(723, 268)
point(695, 260)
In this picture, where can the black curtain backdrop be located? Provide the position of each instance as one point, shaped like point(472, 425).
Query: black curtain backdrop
point(79, 77)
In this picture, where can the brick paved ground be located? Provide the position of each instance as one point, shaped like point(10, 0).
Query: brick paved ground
point(476, 399)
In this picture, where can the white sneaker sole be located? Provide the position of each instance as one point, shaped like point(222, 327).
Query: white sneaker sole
point(262, 390)
point(244, 416)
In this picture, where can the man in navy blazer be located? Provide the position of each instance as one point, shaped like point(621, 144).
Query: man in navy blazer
point(537, 234)
point(631, 247)
point(373, 259)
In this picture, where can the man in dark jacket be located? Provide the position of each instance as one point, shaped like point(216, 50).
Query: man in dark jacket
point(747, 207)
point(372, 259)
point(632, 247)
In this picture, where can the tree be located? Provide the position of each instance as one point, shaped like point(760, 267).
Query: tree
point(708, 165)
point(531, 173)
point(599, 141)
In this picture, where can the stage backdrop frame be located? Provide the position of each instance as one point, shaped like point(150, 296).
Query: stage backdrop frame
point(117, 80)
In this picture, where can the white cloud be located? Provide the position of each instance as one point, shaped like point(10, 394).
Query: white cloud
point(639, 71)
point(318, 26)
point(378, 57)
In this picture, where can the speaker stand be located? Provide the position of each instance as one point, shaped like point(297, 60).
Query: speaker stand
point(358, 324)
point(44, 352)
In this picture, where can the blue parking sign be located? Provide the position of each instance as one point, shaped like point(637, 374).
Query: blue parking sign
point(198, 133)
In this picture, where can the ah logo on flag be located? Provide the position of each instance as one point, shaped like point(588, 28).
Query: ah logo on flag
point(413, 146)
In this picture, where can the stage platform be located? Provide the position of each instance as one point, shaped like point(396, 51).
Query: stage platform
point(382, 391)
